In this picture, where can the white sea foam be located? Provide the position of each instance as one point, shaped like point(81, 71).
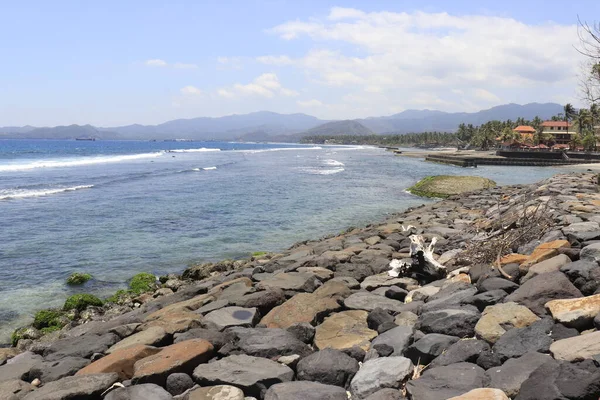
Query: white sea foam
point(319, 171)
point(278, 149)
point(22, 194)
point(201, 150)
point(333, 163)
point(77, 162)
point(209, 168)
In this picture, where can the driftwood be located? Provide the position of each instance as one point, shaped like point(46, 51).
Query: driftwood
point(422, 264)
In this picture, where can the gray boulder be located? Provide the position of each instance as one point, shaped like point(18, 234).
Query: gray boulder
point(458, 322)
point(254, 375)
point(537, 291)
point(303, 331)
point(510, 376)
point(19, 366)
point(495, 283)
point(328, 366)
point(217, 339)
point(14, 389)
point(398, 338)
point(75, 387)
point(386, 394)
point(369, 302)
point(231, 316)
point(303, 390)
point(269, 342)
point(178, 383)
point(82, 346)
point(442, 383)
point(424, 350)
point(584, 274)
point(482, 300)
point(467, 350)
point(48, 371)
point(518, 341)
point(146, 391)
point(380, 373)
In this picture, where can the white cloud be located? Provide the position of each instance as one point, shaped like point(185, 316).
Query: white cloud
point(234, 63)
point(265, 85)
point(156, 63)
point(190, 90)
point(162, 63)
point(432, 60)
point(275, 60)
point(309, 103)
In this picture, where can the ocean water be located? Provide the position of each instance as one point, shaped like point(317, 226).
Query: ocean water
point(116, 208)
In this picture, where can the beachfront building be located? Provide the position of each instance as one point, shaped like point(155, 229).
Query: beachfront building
point(561, 131)
point(526, 133)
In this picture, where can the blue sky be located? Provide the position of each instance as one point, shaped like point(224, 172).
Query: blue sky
point(119, 62)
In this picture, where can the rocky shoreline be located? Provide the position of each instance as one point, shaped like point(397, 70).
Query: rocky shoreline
point(511, 310)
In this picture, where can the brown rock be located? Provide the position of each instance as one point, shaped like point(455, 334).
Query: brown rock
point(537, 256)
point(576, 348)
point(7, 353)
point(575, 313)
point(217, 290)
point(513, 259)
point(174, 322)
point(482, 394)
point(180, 357)
point(322, 273)
point(303, 307)
point(120, 361)
point(496, 320)
point(14, 389)
point(345, 330)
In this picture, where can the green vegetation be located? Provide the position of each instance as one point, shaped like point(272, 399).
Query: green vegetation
point(259, 253)
point(48, 318)
point(17, 335)
point(77, 278)
point(50, 329)
point(443, 186)
point(81, 301)
point(142, 282)
point(117, 297)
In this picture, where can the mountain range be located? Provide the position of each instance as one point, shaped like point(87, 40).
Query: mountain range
point(270, 126)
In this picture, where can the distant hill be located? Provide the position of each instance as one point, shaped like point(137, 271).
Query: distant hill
point(270, 126)
point(429, 120)
point(61, 132)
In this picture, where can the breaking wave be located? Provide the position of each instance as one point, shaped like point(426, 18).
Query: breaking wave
point(22, 194)
point(78, 162)
point(333, 163)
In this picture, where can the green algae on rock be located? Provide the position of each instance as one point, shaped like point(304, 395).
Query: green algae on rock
point(77, 278)
point(442, 186)
point(81, 301)
point(142, 282)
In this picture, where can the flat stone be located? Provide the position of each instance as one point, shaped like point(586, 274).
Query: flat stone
point(485, 299)
point(48, 371)
point(510, 376)
point(584, 274)
point(382, 280)
point(74, 387)
point(577, 348)
point(328, 366)
point(220, 392)
point(212, 306)
point(536, 292)
point(368, 302)
point(322, 273)
point(495, 320)
point(82, 346)
point(575, 313)
point(380, 373)
point(482, 394)
point(550, 265)
point(344, 330)
point(406, 318)
point(124, 330)
point(422, 293)
point(443, 383)
point(231, 316)
point(173, 322)
point(264, 300)
point(495, 283)
point(304, 390)
point(252, 374)
point(120, 361)
point(519, 341)
point(179, 357)
point(590, 252)
point(303, 331)
point(14, 389)
point(153, 336)
point(307, 307)
point(269, 342)
point(424, 350)
point(301, 282)
point(19, 366)
point(139, 392)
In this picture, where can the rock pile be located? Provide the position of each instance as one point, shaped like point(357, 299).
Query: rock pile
point(324, 320)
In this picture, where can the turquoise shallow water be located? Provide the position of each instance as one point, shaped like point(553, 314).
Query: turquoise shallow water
point(117, 208)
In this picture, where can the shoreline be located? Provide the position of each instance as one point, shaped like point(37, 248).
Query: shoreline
point(336, 292)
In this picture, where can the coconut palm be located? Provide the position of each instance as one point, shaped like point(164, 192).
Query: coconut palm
point(569, 113)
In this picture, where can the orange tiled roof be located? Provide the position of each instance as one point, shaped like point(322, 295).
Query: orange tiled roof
point(556, 124)
point(524, 129)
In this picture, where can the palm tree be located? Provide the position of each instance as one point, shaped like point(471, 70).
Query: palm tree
point(584, 120)
point(595, 114)
point(575, 141)
point(569, 113)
